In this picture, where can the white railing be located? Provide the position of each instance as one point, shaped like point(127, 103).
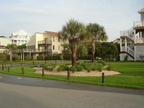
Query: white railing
point(129, 33)
point(138, 24)
point(139, 40)
point(128, 50)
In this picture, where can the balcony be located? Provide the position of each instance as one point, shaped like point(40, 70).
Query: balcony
point(139, 24)
point(128, 33)
point(45, 42)
point(139, 40)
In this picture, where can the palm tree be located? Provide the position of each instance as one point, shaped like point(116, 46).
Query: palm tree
point(74, 32)
point(96, 33)
point(11, 48)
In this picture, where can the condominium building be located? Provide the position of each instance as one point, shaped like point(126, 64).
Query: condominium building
point(132, 41)
point(47, 43)
point(20, 37)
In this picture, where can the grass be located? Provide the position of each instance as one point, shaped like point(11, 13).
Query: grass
point(132, 75)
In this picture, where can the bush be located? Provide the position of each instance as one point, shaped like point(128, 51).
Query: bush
point(39, 57)
point(3, 57)
point(16, 58)
point(76, 68)
point(63, 68)
point(109, 68)
point(49, 67)
point(100, 67)
point(102, 62)
point(88, 69)
point(28, 58)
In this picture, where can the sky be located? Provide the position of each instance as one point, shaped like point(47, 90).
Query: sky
point(51, 15)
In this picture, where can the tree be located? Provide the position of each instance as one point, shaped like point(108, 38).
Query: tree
point(74, 32)
point(11, 48)
point(96, 33)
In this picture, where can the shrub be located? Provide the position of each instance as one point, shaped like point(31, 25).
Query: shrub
point(109, 68)
point(63, 68)
point(39, 57)
point(76, 68)
point(16, 58)
point(100, 67)
point(27, 58)
point(3, 57)
point(102, 62)
point(88, 69)
point(49, 67)
point(126, 58)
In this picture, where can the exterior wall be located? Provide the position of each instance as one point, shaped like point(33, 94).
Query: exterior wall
point(34, 41)
point(139, 50)
point(123, 55)
point(3, 43)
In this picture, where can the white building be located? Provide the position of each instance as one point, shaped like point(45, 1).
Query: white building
point(20, 37)
point(132, 41)
point(3, 43)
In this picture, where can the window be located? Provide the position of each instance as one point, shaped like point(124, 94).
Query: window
point(53, 47)
point(58, 47)
point(53, 39)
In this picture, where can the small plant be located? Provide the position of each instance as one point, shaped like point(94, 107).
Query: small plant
point(100, 67)
point(109, 68)
point(62, 68)
point(88, 69)
point(40, 57)
point(28, 58)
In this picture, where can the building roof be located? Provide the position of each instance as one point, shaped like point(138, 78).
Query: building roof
point(52, 33)
point(141, 11)
point(20, 32)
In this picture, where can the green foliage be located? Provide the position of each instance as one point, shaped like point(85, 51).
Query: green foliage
point(76, 68)
point(23, 46)
point(62, 68)
point(56, 57)
point(100, 67)
point(3, 57)
point(49, 67)
point(39, 57)
point(109, 68)
point(107, 50)
point(16, 58)
point(28, 58)
point(102, 62)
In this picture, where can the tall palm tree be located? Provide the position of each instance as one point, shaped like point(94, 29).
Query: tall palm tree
point(74, 32)
point(11, 48)
point(96, 33)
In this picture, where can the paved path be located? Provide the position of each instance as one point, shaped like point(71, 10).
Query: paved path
point(23, 92)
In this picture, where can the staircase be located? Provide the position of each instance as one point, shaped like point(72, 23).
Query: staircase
point(128, 34)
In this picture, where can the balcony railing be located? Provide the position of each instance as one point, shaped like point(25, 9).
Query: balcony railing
point(139, 24)
point(139, 40)
point(34, 50)
point(129, 33)
point(45, 42)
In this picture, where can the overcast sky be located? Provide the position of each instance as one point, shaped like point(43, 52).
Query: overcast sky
point(50, 15)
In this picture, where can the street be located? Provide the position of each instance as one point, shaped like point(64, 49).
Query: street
point(23, 92)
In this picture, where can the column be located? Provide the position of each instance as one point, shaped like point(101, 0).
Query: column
point(125, 44)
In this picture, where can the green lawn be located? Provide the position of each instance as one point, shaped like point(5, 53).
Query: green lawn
point(132, 75)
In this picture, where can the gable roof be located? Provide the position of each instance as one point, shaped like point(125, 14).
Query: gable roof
point(141, 11)
point(20, 32)
point(52, 33)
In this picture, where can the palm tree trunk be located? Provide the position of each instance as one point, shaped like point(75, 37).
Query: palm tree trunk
point(11, 55)
point(93, 50)
point(74, 50)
